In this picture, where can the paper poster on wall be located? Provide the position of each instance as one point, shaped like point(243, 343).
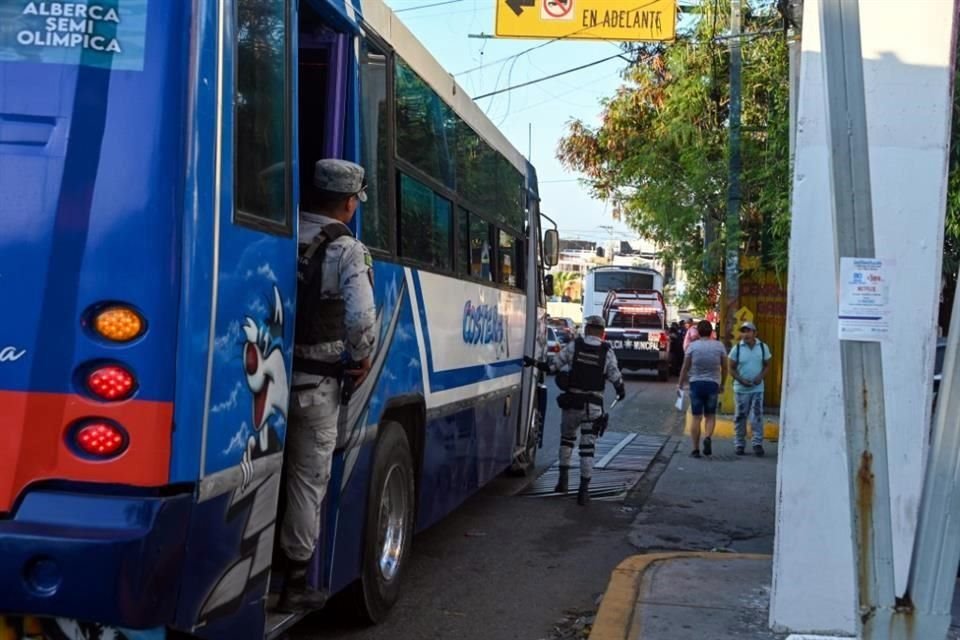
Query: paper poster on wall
point(108, 34)
point(864, 306)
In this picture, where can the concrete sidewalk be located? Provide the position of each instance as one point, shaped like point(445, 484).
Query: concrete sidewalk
point(687, 596)
point(707, 530)
point(707, 534)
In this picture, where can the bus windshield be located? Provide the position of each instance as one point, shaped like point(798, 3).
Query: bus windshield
point(607, 280)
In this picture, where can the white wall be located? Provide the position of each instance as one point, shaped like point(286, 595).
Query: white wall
point(907, 52)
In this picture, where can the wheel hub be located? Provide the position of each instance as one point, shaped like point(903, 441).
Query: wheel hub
point(392, 537)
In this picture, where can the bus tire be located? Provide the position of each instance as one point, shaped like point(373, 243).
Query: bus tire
point(388, 531)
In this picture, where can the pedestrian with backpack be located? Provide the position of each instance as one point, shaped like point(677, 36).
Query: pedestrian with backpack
point(749, 361)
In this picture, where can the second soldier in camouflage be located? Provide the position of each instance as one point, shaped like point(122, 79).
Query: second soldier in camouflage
point(335, 337)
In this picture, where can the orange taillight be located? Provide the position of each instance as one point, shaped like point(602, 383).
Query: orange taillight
point(118, 323)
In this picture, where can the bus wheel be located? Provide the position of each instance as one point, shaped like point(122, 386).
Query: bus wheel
point(389, 524)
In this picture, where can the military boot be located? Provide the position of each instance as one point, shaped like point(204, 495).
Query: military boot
point(297, 595)
point(563, 482)
point(583, 496)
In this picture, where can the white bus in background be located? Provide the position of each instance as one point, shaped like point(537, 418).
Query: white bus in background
point(600, 281)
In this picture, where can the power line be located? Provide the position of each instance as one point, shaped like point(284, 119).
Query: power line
point(426, 6)
point(506, 59)
point(549, 77)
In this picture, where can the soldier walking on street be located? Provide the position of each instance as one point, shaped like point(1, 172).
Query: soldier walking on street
point(584, 366)
point(335, 336)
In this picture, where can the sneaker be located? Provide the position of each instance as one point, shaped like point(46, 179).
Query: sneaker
point(695, 453)
point(707, 447)
point(758, 450)
point(739, 451)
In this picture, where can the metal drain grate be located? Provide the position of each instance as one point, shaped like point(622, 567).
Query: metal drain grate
point(622, 459)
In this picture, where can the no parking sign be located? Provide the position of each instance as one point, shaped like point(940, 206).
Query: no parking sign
point(621, 20)
point(556, 9)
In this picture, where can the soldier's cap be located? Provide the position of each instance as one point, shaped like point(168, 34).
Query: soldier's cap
point(340, 176)
point(595, 321)
point(748, 326)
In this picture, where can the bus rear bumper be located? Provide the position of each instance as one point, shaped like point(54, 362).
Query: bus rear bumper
point(113, 560)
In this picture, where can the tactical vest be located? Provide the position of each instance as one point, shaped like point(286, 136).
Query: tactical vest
point(589, 362)
point(319, 319)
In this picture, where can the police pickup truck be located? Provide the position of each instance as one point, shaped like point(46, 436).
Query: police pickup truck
point(637, 331)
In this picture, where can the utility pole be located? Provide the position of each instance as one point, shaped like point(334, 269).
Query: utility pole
point(732, 281)
point(862, 366)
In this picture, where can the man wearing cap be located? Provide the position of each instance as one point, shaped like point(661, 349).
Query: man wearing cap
point(749, 361)
point(588, 363)
point(335, 336)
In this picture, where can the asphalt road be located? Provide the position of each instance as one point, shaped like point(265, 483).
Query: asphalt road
point(503, 566)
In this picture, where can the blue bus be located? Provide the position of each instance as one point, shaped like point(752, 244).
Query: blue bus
point(151, 158)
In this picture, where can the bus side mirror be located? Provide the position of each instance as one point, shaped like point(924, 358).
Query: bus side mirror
point(551, 247)
point(548, 285)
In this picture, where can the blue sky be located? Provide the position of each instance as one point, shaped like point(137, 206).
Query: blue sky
point(548, 105)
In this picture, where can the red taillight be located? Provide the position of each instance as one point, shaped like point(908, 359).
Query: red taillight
point(555, 348)
point(664, 341)
point(100, 439)
point(111, 382)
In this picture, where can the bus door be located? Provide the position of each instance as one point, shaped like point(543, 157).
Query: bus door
point(249, 347)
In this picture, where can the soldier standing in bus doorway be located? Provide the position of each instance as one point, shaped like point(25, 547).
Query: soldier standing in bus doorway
point(335, 336)
point(583, 368)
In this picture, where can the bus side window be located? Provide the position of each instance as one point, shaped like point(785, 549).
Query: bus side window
point(507, 271)
point(262, 180)
point(426, 225)
point(481, 248)
point(375, 147)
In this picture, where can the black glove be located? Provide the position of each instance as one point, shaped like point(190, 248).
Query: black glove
point(621, 391)
point(530, 362)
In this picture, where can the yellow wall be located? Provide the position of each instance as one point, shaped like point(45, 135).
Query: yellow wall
point(766, 296)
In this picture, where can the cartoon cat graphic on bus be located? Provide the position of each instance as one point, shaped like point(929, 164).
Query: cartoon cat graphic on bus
point(266, 375)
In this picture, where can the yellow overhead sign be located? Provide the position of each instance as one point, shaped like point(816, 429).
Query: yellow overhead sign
point(643, 20)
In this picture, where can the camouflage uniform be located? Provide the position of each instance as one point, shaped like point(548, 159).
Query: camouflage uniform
point(315, 401)
point(574, 420)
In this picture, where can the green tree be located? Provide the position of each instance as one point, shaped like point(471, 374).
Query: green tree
point(659, 153)
point(562, 280)
point(951, 235)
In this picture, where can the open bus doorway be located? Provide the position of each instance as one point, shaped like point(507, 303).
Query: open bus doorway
point(321, 94)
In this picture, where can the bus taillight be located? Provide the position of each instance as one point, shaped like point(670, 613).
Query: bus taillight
point(100, 439)
point(118, 323)
point(111, 382)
